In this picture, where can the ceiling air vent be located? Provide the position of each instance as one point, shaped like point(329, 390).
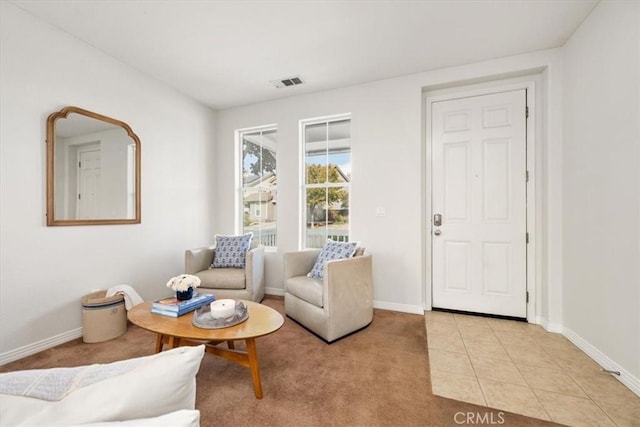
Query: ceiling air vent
point(289, 81)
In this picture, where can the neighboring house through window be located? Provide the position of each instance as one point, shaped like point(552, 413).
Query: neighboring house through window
point(258, 189)
point(326, 146)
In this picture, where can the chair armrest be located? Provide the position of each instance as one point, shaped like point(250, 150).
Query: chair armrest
point(299, 263)
point(254, 269)
point(199, 259)
point(348, 284)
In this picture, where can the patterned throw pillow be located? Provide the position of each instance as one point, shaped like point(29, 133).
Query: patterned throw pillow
point(231, 251)
point(331, 251)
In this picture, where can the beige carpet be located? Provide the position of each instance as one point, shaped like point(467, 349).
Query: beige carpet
point(376, 377)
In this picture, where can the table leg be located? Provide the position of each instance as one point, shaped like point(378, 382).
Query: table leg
point(248, 358)
point(254, 366)
point(170, 340)
point(173, 341)
point(231, 345)
point(159, 338)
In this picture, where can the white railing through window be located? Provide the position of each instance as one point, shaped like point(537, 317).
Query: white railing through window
point(315, 238)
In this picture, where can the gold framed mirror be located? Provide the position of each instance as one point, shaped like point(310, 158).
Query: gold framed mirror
point(93, 170)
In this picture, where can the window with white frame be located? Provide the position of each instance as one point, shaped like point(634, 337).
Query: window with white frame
point(327, 176)
point(258, 183)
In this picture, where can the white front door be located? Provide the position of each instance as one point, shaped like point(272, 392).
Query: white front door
point(478, 222)
point(89, 171)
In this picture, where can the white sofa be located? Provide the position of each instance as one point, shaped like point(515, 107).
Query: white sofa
point(146, 391)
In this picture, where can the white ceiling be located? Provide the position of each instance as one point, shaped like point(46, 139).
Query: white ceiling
point(225, 53)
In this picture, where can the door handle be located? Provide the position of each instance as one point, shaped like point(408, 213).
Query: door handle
point(437, 232)
point(437, 220)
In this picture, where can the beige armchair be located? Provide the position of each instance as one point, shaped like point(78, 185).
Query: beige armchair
point(236, 283)
point(334, 306)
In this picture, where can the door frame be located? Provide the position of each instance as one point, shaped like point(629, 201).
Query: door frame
point(534, 227)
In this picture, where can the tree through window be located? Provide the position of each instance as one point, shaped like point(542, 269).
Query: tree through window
point(327, 163)
point(259, 184)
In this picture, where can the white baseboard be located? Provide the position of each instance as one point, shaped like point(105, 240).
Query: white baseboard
point(403, 308)
point(39, 346)
point(604, 361)
point(279, 292)
point(549, 327)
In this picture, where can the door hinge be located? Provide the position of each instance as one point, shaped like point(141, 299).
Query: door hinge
point(527, 175)
point(80, 165)
point(79, 198)
point(527, 296)
point(526, 112)
point(527, 237)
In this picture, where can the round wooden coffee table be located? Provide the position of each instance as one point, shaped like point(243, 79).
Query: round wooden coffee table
point(178, 331)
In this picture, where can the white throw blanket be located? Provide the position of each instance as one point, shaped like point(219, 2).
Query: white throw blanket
point(131, 297)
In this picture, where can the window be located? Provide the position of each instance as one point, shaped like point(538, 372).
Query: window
point(258, 188)
point(327, 177)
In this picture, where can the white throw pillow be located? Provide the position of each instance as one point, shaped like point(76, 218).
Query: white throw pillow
point(164, 383)
point(331, 251)
point(231, 251)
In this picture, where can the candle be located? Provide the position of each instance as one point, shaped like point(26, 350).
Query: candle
point(223, 308)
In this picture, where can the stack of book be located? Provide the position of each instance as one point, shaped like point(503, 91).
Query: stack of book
point(174, 308)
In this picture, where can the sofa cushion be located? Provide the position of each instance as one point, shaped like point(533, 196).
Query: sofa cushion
point(222, 278)
point(231, 251)
point(164, 383)
point(331, 251)
point(307, 289)
point(182, 418)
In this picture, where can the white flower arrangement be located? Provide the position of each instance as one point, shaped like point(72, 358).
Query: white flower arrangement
point(183, 282)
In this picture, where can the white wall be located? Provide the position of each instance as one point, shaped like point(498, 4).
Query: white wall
point(44, 271)
point(388, 171)
point(601, 231)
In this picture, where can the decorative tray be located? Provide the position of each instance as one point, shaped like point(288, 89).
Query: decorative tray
point(202, 317)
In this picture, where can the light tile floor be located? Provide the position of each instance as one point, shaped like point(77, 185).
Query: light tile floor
point(521, 368)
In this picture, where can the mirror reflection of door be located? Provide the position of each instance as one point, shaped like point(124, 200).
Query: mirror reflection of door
point(88, 178)
point(95, 170)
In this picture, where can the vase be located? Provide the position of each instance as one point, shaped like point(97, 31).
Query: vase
point(184, 295)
